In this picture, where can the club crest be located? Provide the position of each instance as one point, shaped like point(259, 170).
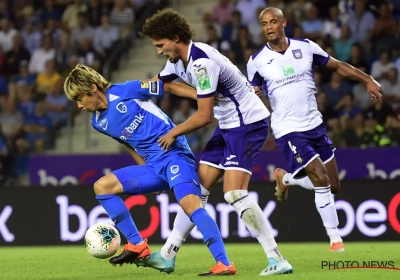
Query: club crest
point(297, 54)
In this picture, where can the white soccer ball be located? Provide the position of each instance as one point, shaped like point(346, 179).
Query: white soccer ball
point(102, 240)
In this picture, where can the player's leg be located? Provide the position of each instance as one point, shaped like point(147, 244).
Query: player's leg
point(210, 173)
point(238, 164)
point(188, 194)
point(131, 180)
point(309, 152)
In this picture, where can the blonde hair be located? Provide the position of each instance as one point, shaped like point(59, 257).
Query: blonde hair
point(81, 80)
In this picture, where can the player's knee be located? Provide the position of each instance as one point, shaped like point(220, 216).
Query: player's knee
point(107, 184)
point(233, 196)
point(318, 176)
point(190, 203)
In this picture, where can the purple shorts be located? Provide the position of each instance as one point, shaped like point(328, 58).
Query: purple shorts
point(300, 148)
point(235, 148)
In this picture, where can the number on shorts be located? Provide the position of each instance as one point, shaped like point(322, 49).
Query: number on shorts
point(292, 147)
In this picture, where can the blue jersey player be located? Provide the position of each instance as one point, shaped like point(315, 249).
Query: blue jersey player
point(126, 113)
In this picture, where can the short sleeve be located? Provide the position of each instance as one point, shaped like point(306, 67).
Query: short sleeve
point(320, 57)
point(206, 75)
point(168, 73)
point(139, 89)
point(253, 76)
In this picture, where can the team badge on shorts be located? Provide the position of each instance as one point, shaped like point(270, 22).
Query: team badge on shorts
point(297, 54)
point(144, 84)
point(299, 159)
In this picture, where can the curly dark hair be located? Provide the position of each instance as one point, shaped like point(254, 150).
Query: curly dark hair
point(167, 24)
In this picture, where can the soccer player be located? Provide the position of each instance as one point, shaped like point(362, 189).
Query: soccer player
point(224, 92)
point(126, 113)
point(283, 67)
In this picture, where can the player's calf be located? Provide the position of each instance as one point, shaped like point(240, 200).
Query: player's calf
point(107, 189)
point(188, 195)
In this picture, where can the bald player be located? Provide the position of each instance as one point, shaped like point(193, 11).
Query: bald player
point(284, 68)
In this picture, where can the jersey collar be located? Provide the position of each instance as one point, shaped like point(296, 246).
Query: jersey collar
point(189, 54)
point(282, 52)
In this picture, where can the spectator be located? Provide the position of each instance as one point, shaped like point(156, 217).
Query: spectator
point(352, 135)
point(37, 127)
point(212, 39)
point(54, 32)
point(391, 88)
point(6, 12)
point(123, 17)
point(343, 46)
point(40, 56)
point(46, 80)
point(95, 11)
point(26, 106)
point(11, 122)
point(379, 111)
point(248, 8)
point(63, 53)
point(14, 57)
point(255, 27)
point(357, 59)
point(88, 55)
point(336, 89)
point(384, 29)
point(346, 107)
point(230, 31)
point(81, 31)
point(300, 7)
point(375, 135)
point(23, 82)
point(207, 21)
point(361, 23)
point(31, 37)
point(290, 24)
point(222, 12)
point(361, 95)
point(7, 34)
point(50, 12)
point(243, 47)
point(312, 26)
point(327, 112)
point(70, 15)
point(381, 67)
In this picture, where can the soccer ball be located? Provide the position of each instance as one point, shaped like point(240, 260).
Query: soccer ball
point(102, 240)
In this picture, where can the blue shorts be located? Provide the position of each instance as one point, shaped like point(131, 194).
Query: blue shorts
point(160, 176)
point(300, 148)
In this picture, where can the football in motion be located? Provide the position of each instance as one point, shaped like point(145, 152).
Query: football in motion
point(102, 240)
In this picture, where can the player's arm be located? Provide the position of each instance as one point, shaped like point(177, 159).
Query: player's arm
point(321, 58)
point(254, 77)
point(180, 89)
point(139, 160)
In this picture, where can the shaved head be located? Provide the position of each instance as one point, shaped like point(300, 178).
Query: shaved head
point(275, 11)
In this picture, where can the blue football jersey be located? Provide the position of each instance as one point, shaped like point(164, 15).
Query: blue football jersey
point(133, 118)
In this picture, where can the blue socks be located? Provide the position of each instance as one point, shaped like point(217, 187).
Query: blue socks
point(211, 234)
point(119, 214)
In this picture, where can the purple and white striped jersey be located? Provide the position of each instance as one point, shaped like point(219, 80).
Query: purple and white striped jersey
point(288, 80)
point(212, 74)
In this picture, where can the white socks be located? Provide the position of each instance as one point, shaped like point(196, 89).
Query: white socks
point(323, 201)
point(254, 219)
point(182, 227)
point(303, 182)
point(327, 210)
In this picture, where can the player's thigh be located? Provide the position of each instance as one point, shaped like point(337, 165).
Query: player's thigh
point(298, 151)
point(138, 179)
point(243, 144)
point(210, 168)
point(182, 177)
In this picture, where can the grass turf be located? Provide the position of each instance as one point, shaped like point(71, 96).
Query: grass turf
point(73, 262)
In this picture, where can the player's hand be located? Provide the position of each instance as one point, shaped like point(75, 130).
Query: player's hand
point(166, 141)
point(374, 89)
point(258, 91)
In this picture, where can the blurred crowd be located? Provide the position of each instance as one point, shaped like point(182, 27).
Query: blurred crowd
point(364, 33)
point(40, 42)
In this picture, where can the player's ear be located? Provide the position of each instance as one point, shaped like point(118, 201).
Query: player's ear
point(284, 22)
point(94, 89)
point(176, 39)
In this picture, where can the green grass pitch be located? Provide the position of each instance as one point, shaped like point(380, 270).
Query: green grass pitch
point(73, 262)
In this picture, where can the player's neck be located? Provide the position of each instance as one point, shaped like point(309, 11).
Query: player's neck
point(279, 45)
point(184, 54)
